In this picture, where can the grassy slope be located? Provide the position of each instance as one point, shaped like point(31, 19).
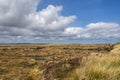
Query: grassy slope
point(100, 66)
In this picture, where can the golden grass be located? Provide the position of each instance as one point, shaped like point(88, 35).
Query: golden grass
point(57, 62)
point(101, 67)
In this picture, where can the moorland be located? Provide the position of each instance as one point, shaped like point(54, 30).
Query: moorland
point(59, 61)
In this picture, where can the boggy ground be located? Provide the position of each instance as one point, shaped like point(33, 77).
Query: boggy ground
point(45, 61)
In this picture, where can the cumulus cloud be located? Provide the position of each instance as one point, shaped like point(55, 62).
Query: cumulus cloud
point(98, 30)
point(20, 18)
point(50, 19)
point(19, 21)
point(14, 13)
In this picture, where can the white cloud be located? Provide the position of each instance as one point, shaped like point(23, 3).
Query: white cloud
point(98, 30)
point(50, 19)
point(14, 13)
point(73, 31)
point(19, 21)
point(20, 18)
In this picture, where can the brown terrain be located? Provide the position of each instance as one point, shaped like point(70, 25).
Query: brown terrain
point(45, 61)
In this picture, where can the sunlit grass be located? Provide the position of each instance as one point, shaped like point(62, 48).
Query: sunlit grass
point(60, 62)
point(104, 67)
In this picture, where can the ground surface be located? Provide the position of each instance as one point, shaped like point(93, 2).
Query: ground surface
point(44, 61)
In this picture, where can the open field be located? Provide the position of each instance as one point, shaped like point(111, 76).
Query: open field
point(59, 62)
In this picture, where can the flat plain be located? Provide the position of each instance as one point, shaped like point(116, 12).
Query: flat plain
point(59, 61)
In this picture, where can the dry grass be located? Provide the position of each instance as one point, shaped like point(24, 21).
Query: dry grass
point(100, 67)
point(58, 62)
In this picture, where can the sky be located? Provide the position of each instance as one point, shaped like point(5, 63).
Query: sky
point(59, 21)
point(88, 11)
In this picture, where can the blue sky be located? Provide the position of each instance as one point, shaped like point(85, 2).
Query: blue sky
point(87, 11)
point(59, 21)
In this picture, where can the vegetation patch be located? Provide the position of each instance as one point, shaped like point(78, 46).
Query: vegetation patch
point(58, 62)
